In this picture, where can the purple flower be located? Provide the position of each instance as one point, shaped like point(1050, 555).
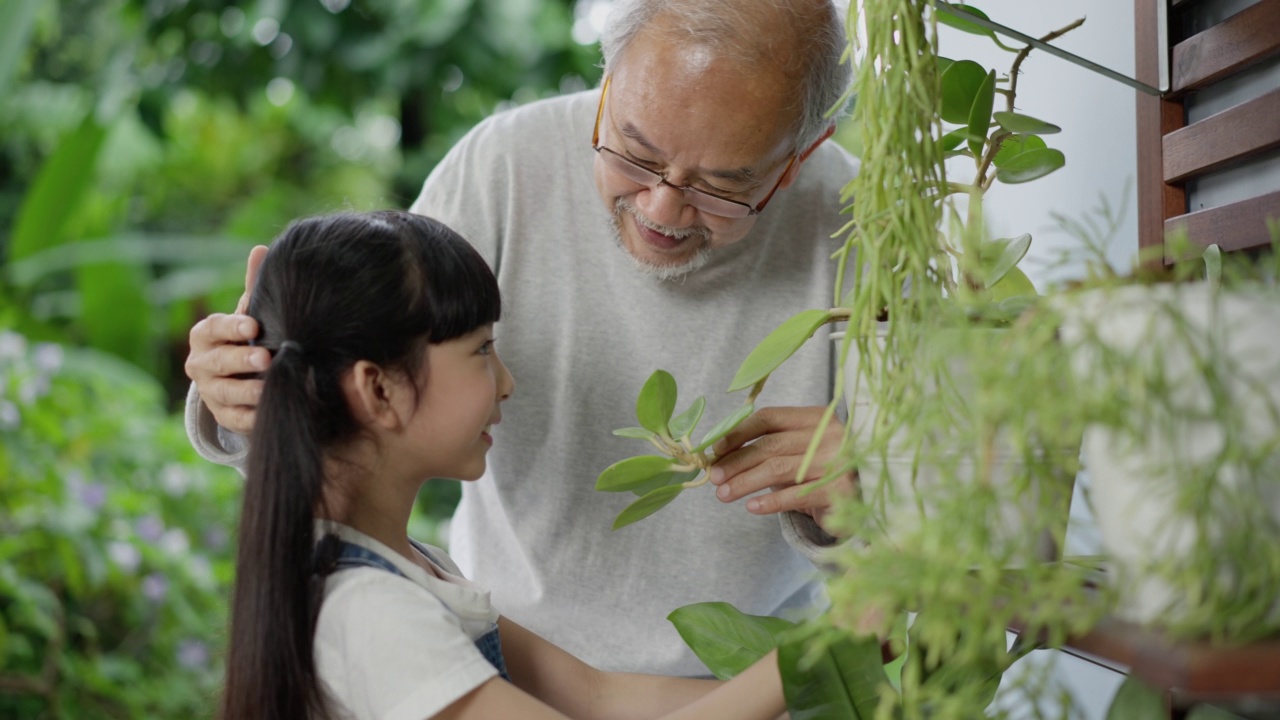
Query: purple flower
point(155, 586)
point(150, 528)
point(193, 654)
point(215, 538)
point(92, 495)
point(10, 416)
point(48, 358)
point(124, 555)
point(12, 345)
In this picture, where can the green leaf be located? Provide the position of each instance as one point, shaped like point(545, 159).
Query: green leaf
point(1137, 701)
point(1014, 284)
point(685, 422)
point(636, 433)
point(1000, 256)
point(724, 638)
point(1213, 265)
point(952, 140)
point(725, 426)
point(663, 480)
point(777, 347)
point(1014, 145)
point(961, 82)
point(647, 505)
point(57, 191)
point(958, 22)
point(1024, 124)
point(842, 682)
point(1031, 165)
point(16, 20)
point(980, 114)
point(626, 474)
point(656, 402)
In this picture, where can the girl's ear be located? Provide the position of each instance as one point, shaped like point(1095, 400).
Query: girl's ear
point(376, 398)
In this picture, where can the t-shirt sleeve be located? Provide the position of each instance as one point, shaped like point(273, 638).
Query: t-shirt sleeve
point(214, 442)
point(390, 650)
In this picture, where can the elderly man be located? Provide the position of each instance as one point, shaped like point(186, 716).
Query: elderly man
point(669, 219)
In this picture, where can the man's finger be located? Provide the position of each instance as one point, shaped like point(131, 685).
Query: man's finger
point(252, 267)
point(226, 392)
point(765, 421)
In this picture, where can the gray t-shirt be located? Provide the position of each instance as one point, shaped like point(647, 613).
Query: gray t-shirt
point(581, 331)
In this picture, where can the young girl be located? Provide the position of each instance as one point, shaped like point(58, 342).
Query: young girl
point(385, 375)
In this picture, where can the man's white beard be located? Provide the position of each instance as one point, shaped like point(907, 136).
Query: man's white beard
point(700, 236)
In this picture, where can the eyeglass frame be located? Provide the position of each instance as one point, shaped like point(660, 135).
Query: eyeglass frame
point(687, 191)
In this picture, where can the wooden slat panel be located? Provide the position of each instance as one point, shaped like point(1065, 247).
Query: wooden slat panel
point(1227, 137)
point(1238, 226)
point(1241, 40)
point(1156, 117)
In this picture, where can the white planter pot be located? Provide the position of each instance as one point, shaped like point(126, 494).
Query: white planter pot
point(1201, 391)
point(916, 479)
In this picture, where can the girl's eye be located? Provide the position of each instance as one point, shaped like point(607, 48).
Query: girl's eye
point(486, 348)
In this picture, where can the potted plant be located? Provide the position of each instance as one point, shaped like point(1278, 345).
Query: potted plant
point(929, 287)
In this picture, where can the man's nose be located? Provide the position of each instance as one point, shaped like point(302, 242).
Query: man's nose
point(666, 204)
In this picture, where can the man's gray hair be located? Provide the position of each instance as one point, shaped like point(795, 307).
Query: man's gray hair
point(750, 31)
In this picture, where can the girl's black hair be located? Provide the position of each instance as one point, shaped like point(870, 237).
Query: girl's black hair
point(374, 286)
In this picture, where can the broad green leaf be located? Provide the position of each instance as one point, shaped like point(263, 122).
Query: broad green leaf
point(1137, 701)
point(1024, 124)
point(626, 474)
point(943, 64)
point(957, 21)
point(724, 638)
point(647, 505)
point(634, 432)
point(724, 426)
point(843, 682)
point(777, 347)
point(1031, 165)
point(1014, 284)
point(115, 310)
point(656, 402)
point(685, 422)
point(1014, 145)
point(980, 114)
point(57, 191)
point(999, 256)
point(952, 140)
point(16, 20)
point(663, 480)
point(960, 85)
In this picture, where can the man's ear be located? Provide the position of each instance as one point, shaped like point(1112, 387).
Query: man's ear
point(794, 170)
point(374, 395)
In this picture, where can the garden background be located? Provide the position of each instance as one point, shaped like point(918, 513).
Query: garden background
point(145, 146)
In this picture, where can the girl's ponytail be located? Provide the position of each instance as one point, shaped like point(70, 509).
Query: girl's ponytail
point(270, 672)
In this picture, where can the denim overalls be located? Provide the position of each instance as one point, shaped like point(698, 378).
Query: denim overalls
point(354, 556)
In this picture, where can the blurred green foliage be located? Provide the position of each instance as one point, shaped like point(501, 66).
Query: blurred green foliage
point(115, 543)
point(145, 145)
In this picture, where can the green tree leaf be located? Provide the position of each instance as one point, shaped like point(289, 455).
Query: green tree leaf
point(779, 345)
point(724, 426)
point(685, 422)
point(1000, 256)
point(1137, 701)
point(647, 505)
point(961, 82)
point(1031, 165)
point(57, 191)
point(957, 21)
point(629, 473)
point(842, 681)
point(980, 114)
point(663, 480)
point(1024, 124)
point(636, 433)
point(16, 20)
point(1014, 145)
point(656, 402)
point(724, 638)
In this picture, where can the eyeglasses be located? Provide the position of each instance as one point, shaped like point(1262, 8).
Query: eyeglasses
point(700, 199)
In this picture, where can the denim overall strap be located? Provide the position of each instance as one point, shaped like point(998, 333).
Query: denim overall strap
point(355, 556)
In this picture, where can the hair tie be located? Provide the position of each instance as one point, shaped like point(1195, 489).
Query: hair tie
point(291, 346)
